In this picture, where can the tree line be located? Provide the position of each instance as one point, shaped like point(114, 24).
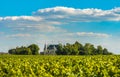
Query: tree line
point(79, 49)
point(68, 49)
point(32, 49)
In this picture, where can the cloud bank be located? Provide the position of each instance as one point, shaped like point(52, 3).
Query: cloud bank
point(78, 15)
point(51, 19)
point(69, 14)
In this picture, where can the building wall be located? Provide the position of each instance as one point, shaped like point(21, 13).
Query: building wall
point(50, 49)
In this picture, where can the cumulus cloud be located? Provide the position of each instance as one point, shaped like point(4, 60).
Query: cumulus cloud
point(47, 19)
point(78, 15)
point(31, 25)
point(15, 18)
point(1, 18)
point(50, 19)
point(67, 14)
point(89, 34)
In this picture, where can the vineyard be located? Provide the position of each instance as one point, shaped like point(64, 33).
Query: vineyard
point(59, 66)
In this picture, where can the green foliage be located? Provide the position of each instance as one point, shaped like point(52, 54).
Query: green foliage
point(30, 50)
point(105, 51)
point(59, 49)
point(78, 49)
point(34, 48)
point(20, 51)
point(59, 66)
point(99, 50)
point(12, 51)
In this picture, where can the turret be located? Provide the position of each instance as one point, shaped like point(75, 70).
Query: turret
point(45, 48)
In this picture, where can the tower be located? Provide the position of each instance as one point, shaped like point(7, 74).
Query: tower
point(45, 48)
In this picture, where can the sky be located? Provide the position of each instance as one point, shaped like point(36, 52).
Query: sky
point(24, 22)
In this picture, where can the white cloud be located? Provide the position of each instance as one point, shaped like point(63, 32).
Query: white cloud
point(1, 18)
point(48, 19)
point(36, 27)
point(116, 10)
point(67, 14)
point(89, 34)
point(19, 24)
point(45, 28)
point(15, 18)
point(78, 15)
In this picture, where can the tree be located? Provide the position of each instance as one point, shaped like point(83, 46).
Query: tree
point(105, 51)
point(67, 49)
point(25, 51)
point(89, 49)
point(99, 50)
point(34, 48)
point(76, 47)
point(12, 51)
point(75, 50)
point(20, 51)
point(79, 45)
point(59, 49)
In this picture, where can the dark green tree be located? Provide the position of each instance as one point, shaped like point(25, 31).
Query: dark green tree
point(105, 51)
point(99, 50)
point(25, 51)
point(12, 51)
point(75, 50)
point(88, 49)
point(20, 51)
point(34, 48)
point(76, 47)
point(59, 49)
point(67, 49)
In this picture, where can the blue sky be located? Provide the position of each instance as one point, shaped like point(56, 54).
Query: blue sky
point(23, 22)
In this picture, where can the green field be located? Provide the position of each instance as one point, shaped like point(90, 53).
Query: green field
point(59, 66)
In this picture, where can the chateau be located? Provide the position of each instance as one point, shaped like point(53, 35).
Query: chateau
point(50, 49)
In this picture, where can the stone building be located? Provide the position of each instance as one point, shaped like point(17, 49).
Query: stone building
point(50, 49)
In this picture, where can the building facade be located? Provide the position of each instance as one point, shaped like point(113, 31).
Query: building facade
point(50, 49)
